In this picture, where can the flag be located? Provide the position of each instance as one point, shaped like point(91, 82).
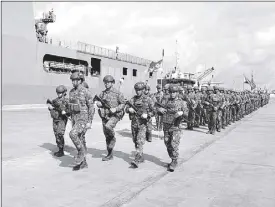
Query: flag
point(155, 66)
point(162, 52)
point(246, 80)
point(252, 85)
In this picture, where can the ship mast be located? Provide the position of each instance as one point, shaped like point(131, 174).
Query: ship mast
point(177, 58)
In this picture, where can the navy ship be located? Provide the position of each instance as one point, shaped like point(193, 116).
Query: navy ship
point(33, 65)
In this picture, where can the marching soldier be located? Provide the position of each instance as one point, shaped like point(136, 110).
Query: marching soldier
point(166, 91)
point(158, 97)
point(82, 112)
point(198, 108)
point(173, 110)
point(111, 111)
point(212, 103)
point(220, 108)
point(149, 122)
point(58, 110)
point(140, 109)
point(204, 115)
point(192, 105)
point(82, 78)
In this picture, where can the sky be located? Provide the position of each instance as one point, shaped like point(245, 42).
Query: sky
point(234, 38)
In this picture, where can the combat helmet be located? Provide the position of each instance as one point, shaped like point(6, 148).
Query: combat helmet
point(61, 89)
point(189, 88)
point(147, 87)
point(196, 88)
point(139, 86)
point(158, 86)
point(215, 88)
point(173, 88)
point(81, 76)
point(108, 78)
point(210, 88)
point(75, 76)
point(166, 87)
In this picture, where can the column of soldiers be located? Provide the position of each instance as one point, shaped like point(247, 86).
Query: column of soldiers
point(215, 106)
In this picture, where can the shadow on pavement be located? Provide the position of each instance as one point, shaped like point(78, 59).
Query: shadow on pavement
point(128, 133)
point(68, 160)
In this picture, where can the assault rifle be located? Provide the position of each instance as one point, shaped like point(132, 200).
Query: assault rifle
point(106, 106)
point(139, 114)
point(157, 104)
point(57, 107)
point(103, 102)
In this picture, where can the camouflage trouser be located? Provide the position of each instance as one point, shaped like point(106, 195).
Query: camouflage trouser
point(204, 116)
point(212, 121)
point(247, 108)
point(149, 128)
point(219, 119)
point(224, 117)
point(242, 110)
point(197, 116)
point(238, 110)
point(233, 113)
point(138, 128)
point(108, 130)
point(191, 118)
point(77, 135)
point(159, 123)
point(172, 141)
point(59, 127)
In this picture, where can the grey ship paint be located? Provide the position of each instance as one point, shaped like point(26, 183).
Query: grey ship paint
point(25, 78)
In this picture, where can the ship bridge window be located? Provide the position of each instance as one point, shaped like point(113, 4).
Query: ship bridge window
point(134, 72)
point(124, 72)
point(63, 65)
point(95, 66)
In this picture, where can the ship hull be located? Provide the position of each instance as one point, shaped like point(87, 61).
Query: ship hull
point(25, 79)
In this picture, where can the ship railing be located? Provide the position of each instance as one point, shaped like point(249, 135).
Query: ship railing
point(62, 43)
point(108, 53)
point(98, 51)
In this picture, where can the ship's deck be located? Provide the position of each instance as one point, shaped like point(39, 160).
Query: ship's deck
point(233, 168)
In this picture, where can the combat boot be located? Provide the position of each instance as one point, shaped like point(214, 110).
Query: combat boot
point(138, 159)
point(59, 153)
point(81, 165)
point(109, 156)
point(80, 157)
point(172, 166)
point(149, 137)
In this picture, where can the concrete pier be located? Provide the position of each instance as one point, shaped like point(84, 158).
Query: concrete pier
point(235, 167)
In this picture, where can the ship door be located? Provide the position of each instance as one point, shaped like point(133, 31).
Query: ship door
point(95, 66)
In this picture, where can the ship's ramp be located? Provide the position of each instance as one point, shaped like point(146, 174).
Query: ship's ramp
point(233, 168)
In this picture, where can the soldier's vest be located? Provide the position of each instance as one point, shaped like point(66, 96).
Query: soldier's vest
point(169, 116)
point(59, 105)
point(142, 106)
point(110, 98)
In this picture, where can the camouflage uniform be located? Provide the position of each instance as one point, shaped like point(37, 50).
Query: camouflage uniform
point(82, 112)
point(171, 123)
point(192, 102)
point(144, 105)
point(149, 127)
point(204, 115)
point(158, 97)
point(220, 108)
point(198, 109)
point(212, 103)
point(114, 99)
point(59, 120)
